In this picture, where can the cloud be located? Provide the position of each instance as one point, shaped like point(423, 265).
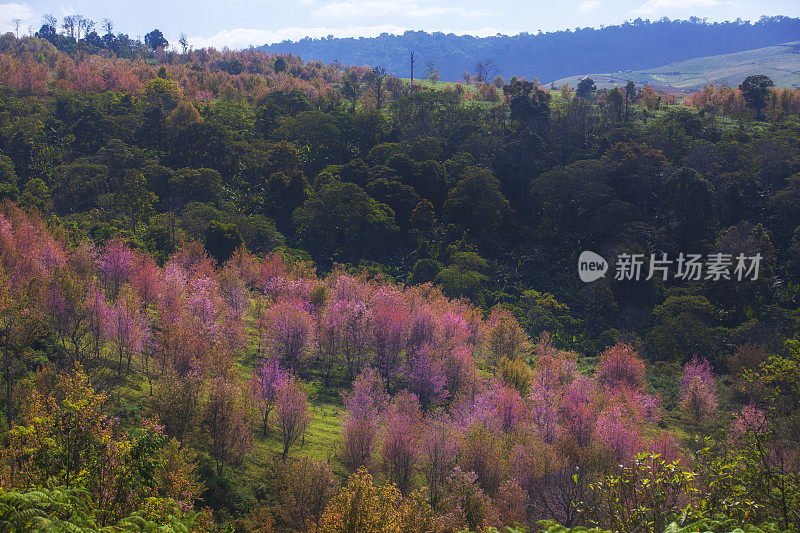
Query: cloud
point(382, 8)
point(246, 37)
point(16, 11)
point(589, 5)
point(655, 6)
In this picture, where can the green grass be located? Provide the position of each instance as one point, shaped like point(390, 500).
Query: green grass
point(781, 63)
point(321, 437)
point(439, 85)
point(319, 443)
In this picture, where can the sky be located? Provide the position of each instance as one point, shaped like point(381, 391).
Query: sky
point(244, 23)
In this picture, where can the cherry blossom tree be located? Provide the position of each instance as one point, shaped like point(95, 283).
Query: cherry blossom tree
point(205, 304)
point(427, 379)
point(289, 331)
point(291, 415)
point(620, 366)
point(400, 445)
point(353, 319)
point(423, 329)
point(358, 439)
point(146, 280)
point(578, 411)
point(127, 326)
point(500, 407)
point(368, 396)
point(543, 409)
point(391, 326)
point(97, 311)
point(266, 384)
point(69, 318)
point(698, 392)
point(172, 314)
point(616, 434)
point(438, 453)
point(116, 264)
point(554, 369)
point(365, 405)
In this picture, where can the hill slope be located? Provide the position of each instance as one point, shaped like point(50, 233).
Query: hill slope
point(635, 46)
point(781, 63)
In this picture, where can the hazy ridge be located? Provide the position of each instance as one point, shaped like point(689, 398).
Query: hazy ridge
point(638, 45)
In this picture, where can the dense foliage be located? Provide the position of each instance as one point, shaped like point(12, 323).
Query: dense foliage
point(293, 296)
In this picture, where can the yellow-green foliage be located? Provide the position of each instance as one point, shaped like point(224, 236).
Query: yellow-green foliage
point(70, 510)
point(367, 508)
point(517, 373)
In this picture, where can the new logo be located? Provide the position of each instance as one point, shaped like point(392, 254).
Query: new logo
point(591, 266)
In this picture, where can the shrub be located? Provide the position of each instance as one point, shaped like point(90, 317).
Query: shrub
point(620, 365)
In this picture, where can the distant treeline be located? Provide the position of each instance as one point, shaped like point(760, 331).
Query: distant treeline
point(633, 45)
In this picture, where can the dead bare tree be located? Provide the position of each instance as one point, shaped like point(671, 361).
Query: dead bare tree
point(86, 25)
point(69, 25)
point(184, 42)
point(486, 71)
point(50, 20)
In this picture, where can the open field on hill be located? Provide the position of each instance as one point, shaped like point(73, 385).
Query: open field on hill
point(781, 63)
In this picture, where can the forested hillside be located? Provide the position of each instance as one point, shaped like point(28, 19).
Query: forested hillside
point(636, 45)
point(243, 292)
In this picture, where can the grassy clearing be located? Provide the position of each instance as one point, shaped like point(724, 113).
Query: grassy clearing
point(319, 443)
point(439, 85)
point(778, 62)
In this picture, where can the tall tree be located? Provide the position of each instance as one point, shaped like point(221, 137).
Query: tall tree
point(477, 203)
point(155, 39)
point(184, 42)
point(755, 90)
point(586, 88)
point(380, 75)
point(291, 416)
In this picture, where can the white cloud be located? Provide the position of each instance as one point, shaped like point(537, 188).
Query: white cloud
point(656, 6)
point(382, 8)
point(246, 37)
point(16, 11)
point(589, 5)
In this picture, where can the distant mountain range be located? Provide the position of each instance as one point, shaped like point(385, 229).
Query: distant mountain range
point(781, 63)
point(632, 46)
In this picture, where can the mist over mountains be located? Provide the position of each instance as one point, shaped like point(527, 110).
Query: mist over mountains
point(633, 45)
